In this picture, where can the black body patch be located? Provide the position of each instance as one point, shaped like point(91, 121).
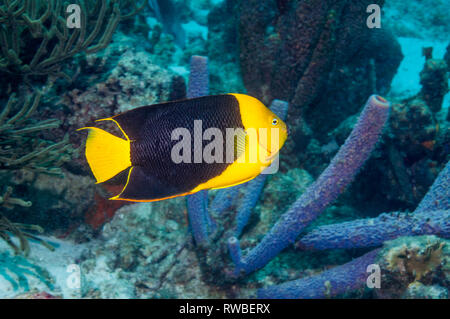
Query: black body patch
point(154, 174)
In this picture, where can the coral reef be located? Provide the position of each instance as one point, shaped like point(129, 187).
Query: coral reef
point(23, 148)
point(114, 80)
point(412, 152)
point(36, 44)
point(43, 24)
point(158, 260)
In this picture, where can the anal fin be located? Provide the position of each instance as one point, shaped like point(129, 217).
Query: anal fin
point(143, 187)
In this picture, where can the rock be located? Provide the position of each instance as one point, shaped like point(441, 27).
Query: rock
point(408, 264)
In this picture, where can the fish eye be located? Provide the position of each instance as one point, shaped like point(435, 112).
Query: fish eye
point(275, 121)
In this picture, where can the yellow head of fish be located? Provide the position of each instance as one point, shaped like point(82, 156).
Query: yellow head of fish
point(261, 123)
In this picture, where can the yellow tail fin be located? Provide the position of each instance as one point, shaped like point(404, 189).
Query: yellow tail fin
point(107, 155)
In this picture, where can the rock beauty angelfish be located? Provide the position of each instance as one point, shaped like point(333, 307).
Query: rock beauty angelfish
point(156, 134)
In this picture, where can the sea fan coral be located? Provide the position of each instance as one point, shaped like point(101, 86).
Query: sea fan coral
point(21, 147)
point(43, 23)
point(18, 230)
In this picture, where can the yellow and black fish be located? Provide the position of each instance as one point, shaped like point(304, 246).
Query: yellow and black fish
point(148, 145)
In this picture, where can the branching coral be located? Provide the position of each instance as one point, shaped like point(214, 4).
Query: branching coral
point(43, 23)
point(20, 231)
point(19, 145)
point(16, 229)
point(15, 270)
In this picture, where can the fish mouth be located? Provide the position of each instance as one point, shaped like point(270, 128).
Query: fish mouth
point(271, 157)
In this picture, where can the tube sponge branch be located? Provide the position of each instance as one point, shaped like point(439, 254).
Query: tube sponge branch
point(251, 197)
point(198, 77)
point(199, 219)
point(438, 197)
point(224, 199)
point(197, 204)
point(330, 184)
point(329, 283)
point(373, 232)
point(432, 217)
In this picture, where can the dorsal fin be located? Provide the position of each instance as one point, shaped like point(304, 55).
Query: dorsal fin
point(132, 121)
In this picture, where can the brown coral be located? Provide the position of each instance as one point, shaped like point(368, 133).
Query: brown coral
point(415, 261)
point(409, 262)
point(318, 55)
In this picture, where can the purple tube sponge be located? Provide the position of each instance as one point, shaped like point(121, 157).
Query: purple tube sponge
point(438, 197)
point(432, 217)
point(235, 250)
point(332, 282)
point(332, 182)
point(200, 222)
point(198, 77)
point(197, 207)
point(224, 199)
point(372, 232)
point(253, 190)
point(280, 108)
